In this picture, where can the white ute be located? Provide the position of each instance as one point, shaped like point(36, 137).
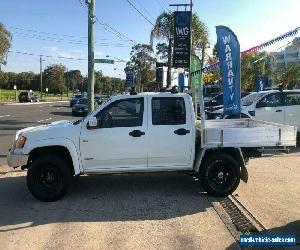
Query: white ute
point(148, 132)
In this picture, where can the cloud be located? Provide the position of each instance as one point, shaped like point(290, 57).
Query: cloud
point(98, 53)
point(51, 48)
point(63, 54)
point(79, 51)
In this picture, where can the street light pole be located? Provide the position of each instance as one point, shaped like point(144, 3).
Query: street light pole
point(91, 76)
point(41, 76)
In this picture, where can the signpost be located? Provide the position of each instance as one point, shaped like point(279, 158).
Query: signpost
point(109, 61)
point(182, 39)
point(129, 79)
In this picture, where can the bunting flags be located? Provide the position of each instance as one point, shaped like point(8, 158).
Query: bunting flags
point(216, 65)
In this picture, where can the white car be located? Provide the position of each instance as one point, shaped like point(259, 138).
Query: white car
point(274, 106)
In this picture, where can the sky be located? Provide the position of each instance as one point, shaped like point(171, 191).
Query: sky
point(59, 28)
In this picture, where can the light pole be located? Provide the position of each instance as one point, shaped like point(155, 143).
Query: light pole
point(41, 76)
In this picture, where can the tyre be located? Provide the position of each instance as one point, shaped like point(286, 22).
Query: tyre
point(49, 177)
point(220, 174)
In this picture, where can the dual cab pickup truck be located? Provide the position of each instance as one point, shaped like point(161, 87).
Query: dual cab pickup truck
point(148, 132)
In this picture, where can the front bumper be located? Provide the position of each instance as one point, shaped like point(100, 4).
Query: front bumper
point(16, 160)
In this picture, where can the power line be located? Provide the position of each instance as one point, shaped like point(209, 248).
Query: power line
point(145, 9)
point(159, 3)
point(109, 28)
point(58, 40)
point(47, 56)
point(140, 12)
point(59, 57)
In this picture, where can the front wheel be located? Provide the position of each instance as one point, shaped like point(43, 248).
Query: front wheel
point(49, 177)
point(220, 174)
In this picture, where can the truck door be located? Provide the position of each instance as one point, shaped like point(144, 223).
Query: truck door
point(170, 133)
point(292, 109)
point(120, 141)
point(270, 108)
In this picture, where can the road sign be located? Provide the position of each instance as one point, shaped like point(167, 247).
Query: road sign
point(129, 78)
point(109, 61)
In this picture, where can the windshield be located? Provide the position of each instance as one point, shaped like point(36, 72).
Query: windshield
point(250, 99)
point(82, 101)
point(78, 96)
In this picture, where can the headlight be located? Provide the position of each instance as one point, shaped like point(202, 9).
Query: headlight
point(21, 141)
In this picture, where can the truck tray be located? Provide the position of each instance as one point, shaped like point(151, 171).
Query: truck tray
point(247, 133)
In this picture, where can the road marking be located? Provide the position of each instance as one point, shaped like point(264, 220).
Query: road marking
point(1, 116)
point(45, 120)
point(33, 103)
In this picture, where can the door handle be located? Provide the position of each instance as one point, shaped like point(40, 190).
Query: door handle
point(181, 131)
point(136, 133)
point(278, 110)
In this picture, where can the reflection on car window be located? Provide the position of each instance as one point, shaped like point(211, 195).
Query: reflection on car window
point(82, 101)
point(168, 111)
point(272, 100)
point(123, 113)
point(292, 99)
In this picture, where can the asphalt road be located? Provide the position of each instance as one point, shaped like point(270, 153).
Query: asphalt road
point(18, 116)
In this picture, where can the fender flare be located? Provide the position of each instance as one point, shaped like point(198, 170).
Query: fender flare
point(237, 155)
point(63, 142)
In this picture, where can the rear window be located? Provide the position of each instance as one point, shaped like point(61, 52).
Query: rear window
point(168, 111)
point(292, 99)
point(23, 93)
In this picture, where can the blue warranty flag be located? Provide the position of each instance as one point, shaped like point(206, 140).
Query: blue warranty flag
point(230, 64)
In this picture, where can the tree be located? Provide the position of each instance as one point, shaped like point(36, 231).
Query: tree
point(98, 88)
point(5, 43)
point(142, 64)
point(164, 29)
point(252, 66)
point(73, 79)
point(54, 78)
point(162, 51)
point(289, 75)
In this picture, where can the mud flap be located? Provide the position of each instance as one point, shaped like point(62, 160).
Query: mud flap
point(244, 174)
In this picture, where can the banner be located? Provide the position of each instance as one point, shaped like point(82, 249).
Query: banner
point(196, 64)
point(182, 39)
point(230, 64)
point(253, 49)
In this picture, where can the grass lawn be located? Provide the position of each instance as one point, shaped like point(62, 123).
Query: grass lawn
point(9, 95)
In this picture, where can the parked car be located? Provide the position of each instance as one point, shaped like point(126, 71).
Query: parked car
point(273, 106)
point(75, 98)
point(133, 133)
point(81, 107)
point(98, 100)
point(216, 103)
point(27, 96)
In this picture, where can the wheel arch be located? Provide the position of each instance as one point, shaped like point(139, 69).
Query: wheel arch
point(235, 153)
point(64, 147)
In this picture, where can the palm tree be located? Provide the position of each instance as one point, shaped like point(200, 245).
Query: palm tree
point(164, 29)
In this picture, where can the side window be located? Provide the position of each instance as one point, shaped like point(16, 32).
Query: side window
point(122, 113)
point(168, 111)
point(271, 100)
point(292, 99)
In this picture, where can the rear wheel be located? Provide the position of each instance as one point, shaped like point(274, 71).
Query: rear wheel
point(49, 177)
point(220, 174)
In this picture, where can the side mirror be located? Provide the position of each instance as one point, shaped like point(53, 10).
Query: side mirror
point(92, 123)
